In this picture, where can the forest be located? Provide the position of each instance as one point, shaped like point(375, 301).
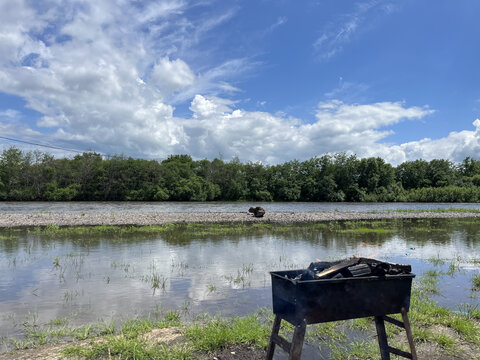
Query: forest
point(35, 176)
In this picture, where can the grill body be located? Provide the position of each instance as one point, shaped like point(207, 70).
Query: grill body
point(318, 301)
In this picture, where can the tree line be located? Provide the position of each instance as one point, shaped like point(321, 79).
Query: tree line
point(32, 176)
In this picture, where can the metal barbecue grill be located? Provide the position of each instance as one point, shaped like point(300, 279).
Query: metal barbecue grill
point(304, 302)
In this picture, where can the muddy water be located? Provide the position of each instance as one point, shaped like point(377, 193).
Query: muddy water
point(112, 277)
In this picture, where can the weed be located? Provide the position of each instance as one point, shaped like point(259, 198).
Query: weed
point(453, 268)
point(58, 322)
point(56, 262)
point(436, 261)
point(476, 282)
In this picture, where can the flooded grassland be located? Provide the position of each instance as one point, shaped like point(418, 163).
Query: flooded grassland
point(74, 283)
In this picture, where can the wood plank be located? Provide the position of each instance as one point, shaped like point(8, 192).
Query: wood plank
point(331, 271)
point(408, 330)
point(275, 330)
point(399, 352)
point(283, 343)
point(297, 341)
point(382, 338)
point(393, 321)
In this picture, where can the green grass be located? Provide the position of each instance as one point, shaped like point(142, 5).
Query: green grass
point(356, 350)
point(209, 335)
point(210, 229)
point(120, 347)
point(365, 230)
point(438, 210)
point(476, 282)
point(58, 322)
point(218, 333)
point(436, 261)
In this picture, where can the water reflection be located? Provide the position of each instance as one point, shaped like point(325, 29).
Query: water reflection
point(87, 278)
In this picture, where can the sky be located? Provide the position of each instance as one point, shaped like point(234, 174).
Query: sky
point(261, 80)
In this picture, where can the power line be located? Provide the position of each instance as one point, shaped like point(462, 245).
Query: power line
point(43, 145)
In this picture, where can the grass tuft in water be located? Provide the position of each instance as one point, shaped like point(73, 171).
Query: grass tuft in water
point(476, 282)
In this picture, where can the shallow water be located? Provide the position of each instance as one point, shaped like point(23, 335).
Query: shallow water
point(215, 206)
point(113, 277)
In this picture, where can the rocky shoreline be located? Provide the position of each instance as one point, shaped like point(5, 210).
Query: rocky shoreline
point(80, 219)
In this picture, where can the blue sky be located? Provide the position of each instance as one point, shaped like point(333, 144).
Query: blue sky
point(264, 80)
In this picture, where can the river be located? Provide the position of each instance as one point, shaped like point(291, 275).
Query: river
point(216, 206)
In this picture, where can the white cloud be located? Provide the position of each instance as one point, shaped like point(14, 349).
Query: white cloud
point(280, 21)
point(337, 34)
point(9, 114)
point(263, 136)
point(348, 91)
point(100, 78)
point(173, 75)
point(456, 146)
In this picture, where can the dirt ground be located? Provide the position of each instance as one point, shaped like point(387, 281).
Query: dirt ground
point(425, 350)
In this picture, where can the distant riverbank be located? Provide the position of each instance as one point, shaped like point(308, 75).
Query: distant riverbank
point(140, 219)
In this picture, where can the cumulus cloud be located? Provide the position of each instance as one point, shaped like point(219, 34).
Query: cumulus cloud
point(173, 75)
point(99, 74)
point(359, 128)
point(263, 136)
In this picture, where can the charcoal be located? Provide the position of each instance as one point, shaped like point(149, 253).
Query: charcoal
point(352, 267)
point(360, 270)
point(397, 269)
point(308, 274)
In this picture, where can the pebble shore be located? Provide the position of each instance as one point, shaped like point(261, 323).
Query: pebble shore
point(77, 219)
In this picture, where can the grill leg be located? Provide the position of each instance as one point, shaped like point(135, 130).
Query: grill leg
point(382, 338)
point(408, 330)
point(275, 330)
point(297, 341)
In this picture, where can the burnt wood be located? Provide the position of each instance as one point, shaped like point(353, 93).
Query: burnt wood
point(335, 269)
point(360, 270)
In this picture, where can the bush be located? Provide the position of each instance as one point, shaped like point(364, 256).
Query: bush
point(445, 194)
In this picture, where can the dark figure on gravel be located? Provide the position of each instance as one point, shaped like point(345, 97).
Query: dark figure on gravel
point(257, 211)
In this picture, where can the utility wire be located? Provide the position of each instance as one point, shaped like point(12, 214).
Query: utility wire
point(43, 145)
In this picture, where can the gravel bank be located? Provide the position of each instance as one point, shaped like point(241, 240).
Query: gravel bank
point(41, 219)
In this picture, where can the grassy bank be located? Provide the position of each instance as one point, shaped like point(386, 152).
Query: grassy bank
point(439, 210)
point(228, 228)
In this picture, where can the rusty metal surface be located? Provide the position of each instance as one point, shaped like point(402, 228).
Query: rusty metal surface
point(326, 300)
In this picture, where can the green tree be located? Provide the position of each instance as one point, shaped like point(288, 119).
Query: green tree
point(10, 163)
point(88, 173)
point(374, 173)
point(413, 174)
point(440, 173)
